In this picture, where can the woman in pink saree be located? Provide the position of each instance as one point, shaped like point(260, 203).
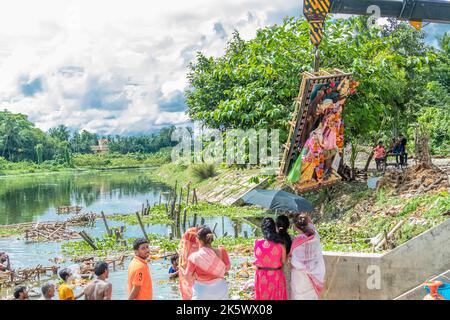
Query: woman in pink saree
point(307, 264)
point(204, 274)
point(270, 254)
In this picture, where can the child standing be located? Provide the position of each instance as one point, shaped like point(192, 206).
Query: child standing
point(173, 270)
point(65, 292)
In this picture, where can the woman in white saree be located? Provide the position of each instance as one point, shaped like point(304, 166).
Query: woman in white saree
point(307, 264)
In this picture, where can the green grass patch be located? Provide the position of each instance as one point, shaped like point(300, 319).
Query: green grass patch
point(158, 213)
point(341, 237)
point(108, 246)
point(230, 242)
point(10, 232)
point(156, 216)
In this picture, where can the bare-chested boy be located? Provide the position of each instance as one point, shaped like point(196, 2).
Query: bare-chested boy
point(99, 289)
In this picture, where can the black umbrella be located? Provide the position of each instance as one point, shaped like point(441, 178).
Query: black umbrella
point(278, 200)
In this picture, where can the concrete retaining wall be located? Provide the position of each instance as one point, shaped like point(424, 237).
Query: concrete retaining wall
point(419, 292)
point(359, 276)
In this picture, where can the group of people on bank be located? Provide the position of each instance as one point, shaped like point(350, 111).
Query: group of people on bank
point(287, 267)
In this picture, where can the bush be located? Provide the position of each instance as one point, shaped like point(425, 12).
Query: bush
point(203, 171)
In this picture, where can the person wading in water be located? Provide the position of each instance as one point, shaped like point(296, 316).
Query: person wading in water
point(139, 279)
point(99, 289)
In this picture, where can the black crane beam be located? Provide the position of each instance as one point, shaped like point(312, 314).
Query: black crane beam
point(436, 11)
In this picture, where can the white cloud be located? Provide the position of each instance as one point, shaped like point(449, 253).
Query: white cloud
point(116, 66)
point(108, 66)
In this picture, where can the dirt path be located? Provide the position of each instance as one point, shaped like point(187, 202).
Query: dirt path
point(443, 163)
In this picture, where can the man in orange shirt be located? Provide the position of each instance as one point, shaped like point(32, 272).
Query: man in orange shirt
point(139, 279)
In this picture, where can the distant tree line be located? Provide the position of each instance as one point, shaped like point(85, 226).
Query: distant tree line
point(20, 140)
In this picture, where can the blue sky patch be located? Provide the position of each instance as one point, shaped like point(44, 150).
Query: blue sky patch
point(30, 88)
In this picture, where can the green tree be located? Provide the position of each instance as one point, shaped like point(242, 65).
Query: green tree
point(60, 133)
point(39, 152)
point(11, 127)
point(254, 83)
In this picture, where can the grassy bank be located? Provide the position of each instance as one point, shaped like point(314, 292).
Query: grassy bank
point(350, 219)
point(171, 173)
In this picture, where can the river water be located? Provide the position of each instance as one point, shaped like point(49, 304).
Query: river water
point(36, 197)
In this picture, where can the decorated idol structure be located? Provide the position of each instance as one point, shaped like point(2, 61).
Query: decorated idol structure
point(314, 150)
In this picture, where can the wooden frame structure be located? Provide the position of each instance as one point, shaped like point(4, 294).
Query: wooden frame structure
point(293, 146)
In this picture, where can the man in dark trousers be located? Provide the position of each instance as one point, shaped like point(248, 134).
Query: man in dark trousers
point(403, 154)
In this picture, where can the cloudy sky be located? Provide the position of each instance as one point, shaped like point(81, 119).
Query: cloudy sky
point(115, 67)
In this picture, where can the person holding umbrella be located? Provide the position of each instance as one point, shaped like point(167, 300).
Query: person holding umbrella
point(270, 255)
point(307, 263)
point(283, 224)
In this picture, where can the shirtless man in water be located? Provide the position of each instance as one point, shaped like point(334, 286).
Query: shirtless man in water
point(4, 259)
point(99, 289)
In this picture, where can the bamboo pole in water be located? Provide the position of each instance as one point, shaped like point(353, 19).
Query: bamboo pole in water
point(179, 207)
point(187, 194)
point(214, 229)
point(106, 224)
point(172, 207)
point(184, 219)
point(175, 190)
point(194, 197)
point(223, 226)
point(168, 199)
point(86, 238)
point(141, 224)
point(176, 220)
point(117, 233)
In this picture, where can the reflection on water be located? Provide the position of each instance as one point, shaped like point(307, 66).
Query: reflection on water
point(36, 197)
point(27, 255)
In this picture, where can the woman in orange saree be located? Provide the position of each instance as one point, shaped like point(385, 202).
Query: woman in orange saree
point(206, 269)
